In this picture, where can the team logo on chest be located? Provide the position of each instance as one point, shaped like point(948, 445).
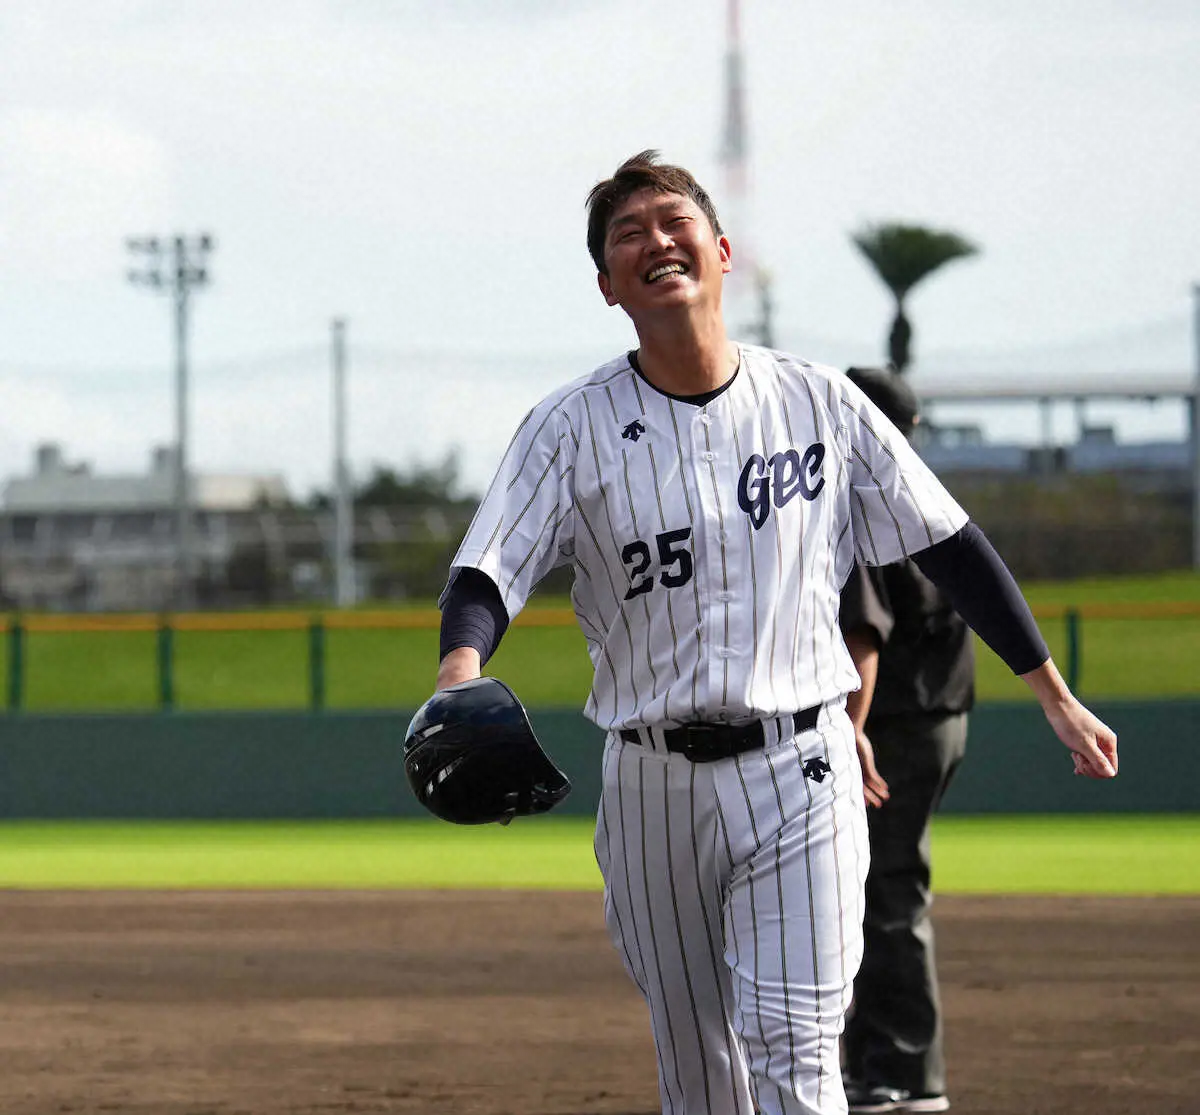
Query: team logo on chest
point(779, 479)
point(633, 431)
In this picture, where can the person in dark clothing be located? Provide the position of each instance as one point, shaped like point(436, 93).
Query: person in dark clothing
point(915, 656)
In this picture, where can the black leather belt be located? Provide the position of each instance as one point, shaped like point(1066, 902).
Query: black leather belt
point(705, 743)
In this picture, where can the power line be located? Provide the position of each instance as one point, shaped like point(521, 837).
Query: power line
point(521, 362)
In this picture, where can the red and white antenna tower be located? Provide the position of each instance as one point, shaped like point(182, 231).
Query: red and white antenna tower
point(733, 143)
point(750, 285)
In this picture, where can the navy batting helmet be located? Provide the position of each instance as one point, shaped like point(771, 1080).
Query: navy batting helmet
point(472, 758)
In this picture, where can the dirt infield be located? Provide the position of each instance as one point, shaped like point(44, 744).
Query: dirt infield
point(514, 1004)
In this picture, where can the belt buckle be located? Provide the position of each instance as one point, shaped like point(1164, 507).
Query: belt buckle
point(706, 743)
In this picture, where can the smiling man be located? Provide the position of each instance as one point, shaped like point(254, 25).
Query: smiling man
point(711, 498)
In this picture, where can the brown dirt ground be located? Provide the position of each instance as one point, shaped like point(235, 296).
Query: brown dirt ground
point(498, 1003)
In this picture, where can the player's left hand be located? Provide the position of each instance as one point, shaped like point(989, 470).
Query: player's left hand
point(1093, 743)
point(875, 789)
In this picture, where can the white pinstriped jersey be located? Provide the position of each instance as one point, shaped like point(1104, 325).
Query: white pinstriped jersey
point(709, 542)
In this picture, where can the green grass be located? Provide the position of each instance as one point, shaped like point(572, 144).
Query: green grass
point(544, 853)
point(547, 666)
point(1127, 658)
point(981, 855)
point(1082, 854)
point(1183, 585)
point(69, 672)
point(1149, 657)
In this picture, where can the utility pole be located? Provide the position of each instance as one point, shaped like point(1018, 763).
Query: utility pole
point(174, 266)
point(766, 308)
point(345, 592)
point(1195, 428)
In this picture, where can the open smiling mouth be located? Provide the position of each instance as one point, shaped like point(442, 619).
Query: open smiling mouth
point(663, 270)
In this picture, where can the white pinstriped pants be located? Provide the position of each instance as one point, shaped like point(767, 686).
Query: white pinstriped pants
point(733, 892)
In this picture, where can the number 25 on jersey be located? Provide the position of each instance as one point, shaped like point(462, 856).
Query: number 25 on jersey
point(674, 560)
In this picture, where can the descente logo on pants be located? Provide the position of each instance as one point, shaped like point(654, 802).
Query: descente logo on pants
point(779, 479)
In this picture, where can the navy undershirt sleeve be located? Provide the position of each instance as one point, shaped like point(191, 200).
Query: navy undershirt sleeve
point(978, 584)
point(473, 615)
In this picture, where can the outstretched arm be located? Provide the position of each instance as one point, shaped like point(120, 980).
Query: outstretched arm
point(982, 590)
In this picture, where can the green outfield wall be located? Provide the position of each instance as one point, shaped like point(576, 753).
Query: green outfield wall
point(263, 765)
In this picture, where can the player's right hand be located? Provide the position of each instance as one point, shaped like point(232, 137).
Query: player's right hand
point(461, 664)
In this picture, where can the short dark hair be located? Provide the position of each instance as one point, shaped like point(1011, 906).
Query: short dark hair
point(888, 390)
point(641, 172)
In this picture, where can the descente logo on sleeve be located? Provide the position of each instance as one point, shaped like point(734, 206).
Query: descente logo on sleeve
point(779, 479)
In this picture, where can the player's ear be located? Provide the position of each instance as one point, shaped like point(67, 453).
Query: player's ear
point(726, 255)
point(606, 288)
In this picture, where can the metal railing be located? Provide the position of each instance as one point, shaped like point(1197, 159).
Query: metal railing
point(16, 629)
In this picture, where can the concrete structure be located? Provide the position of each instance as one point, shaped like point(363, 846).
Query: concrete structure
point(57, 486)
point(71, 538)
point(74, 540)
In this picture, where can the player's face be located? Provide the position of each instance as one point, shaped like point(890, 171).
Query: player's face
point(662, 254)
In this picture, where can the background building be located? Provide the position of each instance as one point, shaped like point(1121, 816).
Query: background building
point(75, 540)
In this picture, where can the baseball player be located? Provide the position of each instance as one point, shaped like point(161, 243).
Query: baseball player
point(711, 498)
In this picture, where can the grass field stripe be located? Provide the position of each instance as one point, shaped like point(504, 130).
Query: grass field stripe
point(1118, 855)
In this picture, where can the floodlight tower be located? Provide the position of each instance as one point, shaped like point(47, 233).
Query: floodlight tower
point(751, 282)
point(174, 266)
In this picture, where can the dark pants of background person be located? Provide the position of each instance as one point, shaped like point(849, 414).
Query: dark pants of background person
point(894, 1031)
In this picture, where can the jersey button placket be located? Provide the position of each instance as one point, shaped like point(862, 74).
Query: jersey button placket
point(709, 544)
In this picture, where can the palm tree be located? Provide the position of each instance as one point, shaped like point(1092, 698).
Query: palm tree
point(902, 256)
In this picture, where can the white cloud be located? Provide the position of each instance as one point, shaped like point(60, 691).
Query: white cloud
point(72, 185)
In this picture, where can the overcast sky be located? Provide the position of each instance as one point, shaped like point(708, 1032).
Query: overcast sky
point(419, 167)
